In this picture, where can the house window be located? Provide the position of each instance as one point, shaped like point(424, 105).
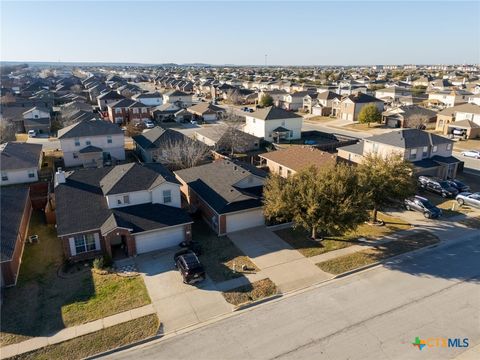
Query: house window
point(434, 148)
point(31, 173)
point(289, 172)
point(283, 123)
point(118, 111)
point(75, 155)
point(375, 148)
point(77, 142)
point(440, 124)
point(425, 151)
point(126, 199)
point(449, 146)
point(167, 196)
point(88, 142)
point(4, 176)
point(135, 111)
point(280, 169)
point(84, 243)
point(109, 139)
point(413, 154)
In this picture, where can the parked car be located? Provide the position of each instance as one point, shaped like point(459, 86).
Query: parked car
point(472, 154)
point(190, 267)
point(467, 198)
point(423, 205)
point(440, 187)
point(460, 186)
point(149, 124)
point(32, 133)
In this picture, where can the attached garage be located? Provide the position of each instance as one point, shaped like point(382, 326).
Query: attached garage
point(160, 239)
point(245, 220)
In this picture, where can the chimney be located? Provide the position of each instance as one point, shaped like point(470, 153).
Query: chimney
point(59, 177)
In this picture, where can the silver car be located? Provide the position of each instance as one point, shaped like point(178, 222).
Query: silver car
point(469, 199)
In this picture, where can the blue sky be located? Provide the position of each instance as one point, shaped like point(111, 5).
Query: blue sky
point(228, 32)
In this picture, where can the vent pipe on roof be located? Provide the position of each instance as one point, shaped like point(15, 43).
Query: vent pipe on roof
point(59, 177)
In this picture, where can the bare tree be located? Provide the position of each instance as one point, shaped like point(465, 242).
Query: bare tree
point(231, 134)
point(7, 132)
point(184, 153)
point(76, 89)
point(234, 97)
point(417, 121)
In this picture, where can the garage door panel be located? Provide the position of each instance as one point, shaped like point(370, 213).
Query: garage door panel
point(245, 220)
point(159, 240)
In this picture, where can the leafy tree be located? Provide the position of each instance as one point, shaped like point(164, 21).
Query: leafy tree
point(385, 180)
point(369, 114)
point(266, 100)
point(326, 201)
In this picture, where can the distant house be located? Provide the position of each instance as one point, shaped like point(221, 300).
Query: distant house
point(273, 124)
point(448, 98)
point(150, 144)
point(91, 143)
point(430, 154)
point(408, 116)
point(223, 138)
point(107, 98)
point(294, 159)
point(206, 111)
point(165, 112)
point(227, 194)
point(321, 103)
point(20, 162)
point(15, 213)
point(149, 99)
point(119, 211)
point(465, 118)
point(350, 106)
point(292, 102)
point(28, 117)
point(178, 98)
point(393, 94)
point(127, 111)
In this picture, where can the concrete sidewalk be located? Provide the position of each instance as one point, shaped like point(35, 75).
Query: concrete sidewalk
point(74, 331)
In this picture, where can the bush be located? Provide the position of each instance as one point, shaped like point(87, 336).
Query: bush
point(98, 263)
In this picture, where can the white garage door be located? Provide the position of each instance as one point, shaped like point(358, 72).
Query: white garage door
point(158, 240)
point(245, 220)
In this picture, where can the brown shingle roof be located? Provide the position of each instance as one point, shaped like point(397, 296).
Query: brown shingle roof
point(298, 158)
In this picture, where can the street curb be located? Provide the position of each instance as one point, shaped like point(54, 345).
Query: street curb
point(124, 347)
point(257, 302)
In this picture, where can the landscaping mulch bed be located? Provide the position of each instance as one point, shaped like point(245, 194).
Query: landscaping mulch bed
point(251, 292)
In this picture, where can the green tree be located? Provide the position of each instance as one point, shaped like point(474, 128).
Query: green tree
point(325, 201)
point(385, 180)
point(369, 114)
point(266, 100)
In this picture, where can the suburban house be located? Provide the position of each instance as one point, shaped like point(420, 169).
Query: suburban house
point(224, 138)
point(150, 145)
point(277, 95)
point(107, 98)
point(227, 194)
point(206, 111)
point(292, 102)
point(448, 98)
point(465, 118)
point(20, 163)
point(149, 99)
point(430, 154)
point(178, 98)
point(26, 118)
point(294, 159)
point(126, 111)
point(274, 124)
point(91, 143)
point(395, 95)
point(165, 112)
point(119, 211)
point(320, 103)
point(408, 116)
point(15, 213)
point(350, 106)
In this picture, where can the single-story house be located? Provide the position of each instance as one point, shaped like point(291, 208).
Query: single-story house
point(408, 116)
point(206, 111)
point(223, 138)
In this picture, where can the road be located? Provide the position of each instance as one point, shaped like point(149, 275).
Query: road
point(375, 314)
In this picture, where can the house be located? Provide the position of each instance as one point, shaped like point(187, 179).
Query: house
point(178, 98)
point(206, 111)
point(165, 112)
point(272, 123)
point(27, 116)
point(223, 138)
point(292, 102)
point(149, 99)
point(320, 103)
point(448, 98)
point(394, 94)
point(294, 159)
point(464, 117)
point(91, 143)
point(228, 195)
point(408, 116)
point(119, 211)
point(15, 213)
point(20, 162)
point(109, 97)
point(430, 154)
point(126, 111)
point(149, 145)
point(350, 106)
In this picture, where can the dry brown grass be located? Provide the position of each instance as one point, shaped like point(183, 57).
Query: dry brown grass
point(252, 292)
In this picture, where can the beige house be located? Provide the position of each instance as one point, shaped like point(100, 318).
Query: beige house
point(463, 118)
point(350, 106)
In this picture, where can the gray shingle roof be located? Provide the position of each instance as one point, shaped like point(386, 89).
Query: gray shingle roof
point(89, 128)
point(16, 155)
point(157, 137)
point(273, 113)
point(409, 138)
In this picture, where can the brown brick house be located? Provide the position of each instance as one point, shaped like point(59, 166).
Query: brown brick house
point(126, 111)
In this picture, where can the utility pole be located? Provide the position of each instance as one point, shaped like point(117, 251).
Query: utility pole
point(266, 60)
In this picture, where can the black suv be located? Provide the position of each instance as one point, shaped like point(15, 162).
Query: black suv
point(460, 186)
point(421, 204)
point(440, 187)
point(189, 266)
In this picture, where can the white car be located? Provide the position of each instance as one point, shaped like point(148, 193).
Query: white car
point(472, 153)
point(469, 199)
point(149, 124)
point(32, 133)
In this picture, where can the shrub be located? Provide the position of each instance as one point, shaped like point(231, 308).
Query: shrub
point(98, 263)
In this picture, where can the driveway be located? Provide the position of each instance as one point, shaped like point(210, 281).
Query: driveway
point(285, 266)
point(178, 305)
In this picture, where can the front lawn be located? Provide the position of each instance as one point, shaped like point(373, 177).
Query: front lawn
point(219, 254)
point(364, 127)
point(406, 243)
point(300, 239)
point(319, 118)
point(47, 300)
point(97, 342)
point(251, 292)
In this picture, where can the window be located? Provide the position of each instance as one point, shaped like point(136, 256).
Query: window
point(77, 141)
point(289, 172)
point(283, 123)
point(31, 173)
point(135, 110)
point(253, 120)
point(434, 148)
point(75, 155)
point(4, 176)
point(413, 154)
point(375, 148)
point(126, 199)
point(88, 142)
point(118, 111)
point(425, 151)
point(167, 196)
point(109, 139)
point(84, 243)
point(280, 170)
point(449, 146)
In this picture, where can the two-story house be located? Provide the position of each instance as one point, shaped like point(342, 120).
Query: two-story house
point(178, 98)
point(274, 124)
point(128, 111)
point(292, 102)
point(395, 95)
point(320, 103)
point(462, 119)
point(350, 106)
point(448, 98)
point(20, 163)
point(107, 98)
point(91, 143)
point(120, 211)
point(151, 99)
point(430, 154)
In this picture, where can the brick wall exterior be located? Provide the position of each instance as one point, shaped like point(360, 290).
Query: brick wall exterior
point(83, 256)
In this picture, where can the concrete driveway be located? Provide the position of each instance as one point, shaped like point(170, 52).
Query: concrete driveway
point(285, 266)
point(178, 305)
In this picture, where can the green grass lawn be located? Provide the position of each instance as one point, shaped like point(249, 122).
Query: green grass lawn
point(252, 292)
point(219, 254)
point(97, 342)
point(300, 239)
point(406, 243)
point(44, 302)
